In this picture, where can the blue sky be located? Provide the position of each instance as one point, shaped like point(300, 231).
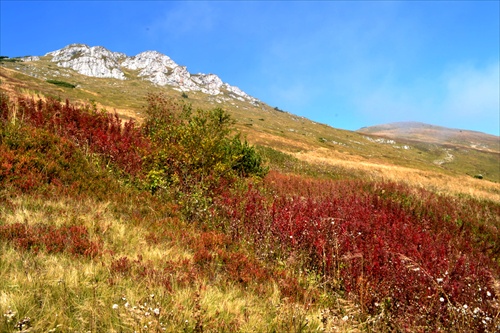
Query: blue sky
point(346, 64)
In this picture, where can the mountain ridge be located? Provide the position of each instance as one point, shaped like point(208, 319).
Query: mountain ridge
point(423, 132)
point(153, 66)
point(263, 125)
point(161, 70)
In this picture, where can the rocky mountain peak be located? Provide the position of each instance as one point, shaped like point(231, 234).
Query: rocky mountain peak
point(153, 66)
point(149, 59)
point(95, 61)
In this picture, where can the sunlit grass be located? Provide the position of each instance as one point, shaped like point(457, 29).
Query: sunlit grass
point(432, 180)
point(61, 293)
point(314, 246)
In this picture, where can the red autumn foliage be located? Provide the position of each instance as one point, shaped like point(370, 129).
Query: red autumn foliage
point(392, 249)
point(98, 132)
point(40, 237)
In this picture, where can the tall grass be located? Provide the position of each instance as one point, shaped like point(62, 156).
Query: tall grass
point(86, 246)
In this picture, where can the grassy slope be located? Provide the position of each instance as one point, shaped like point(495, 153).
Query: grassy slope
point(147, 272)
point(151, 259)
point(263, 125)
point(414, 131)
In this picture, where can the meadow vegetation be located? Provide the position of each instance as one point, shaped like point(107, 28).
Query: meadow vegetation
point(177, 224)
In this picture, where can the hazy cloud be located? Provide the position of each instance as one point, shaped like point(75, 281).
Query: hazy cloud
point(464, 96)
point(472, 91)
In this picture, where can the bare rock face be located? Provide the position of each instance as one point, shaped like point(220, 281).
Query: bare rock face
point(153, 66)
point(93, 61)
point(209, 83)
point(159, 69)
point(237, 93)
point(149, 61)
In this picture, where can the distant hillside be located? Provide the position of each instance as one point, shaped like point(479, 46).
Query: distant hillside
point(411, 152)
point(415, 131)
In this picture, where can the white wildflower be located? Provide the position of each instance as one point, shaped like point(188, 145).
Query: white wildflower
point(9, 314)
point(115, 306)
point(488, 294)
point(156, 311)
point(465, 306)
point(441, 299)
point(345, 318)
point(439, 280)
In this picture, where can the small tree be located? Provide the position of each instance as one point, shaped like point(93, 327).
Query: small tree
point(195, 149)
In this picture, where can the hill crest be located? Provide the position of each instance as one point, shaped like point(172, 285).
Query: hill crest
point(333, 149)
point(422, 132)
point(152, 66)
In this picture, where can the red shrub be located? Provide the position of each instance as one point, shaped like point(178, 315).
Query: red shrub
point(99, 132)
point(121, 266)
point(391, 248)
point(72, 239)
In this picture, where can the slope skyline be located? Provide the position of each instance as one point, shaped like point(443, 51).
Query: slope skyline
point(348, 65)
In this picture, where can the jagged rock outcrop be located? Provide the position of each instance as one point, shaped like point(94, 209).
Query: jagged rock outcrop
point(210, 83)
point(97, 61)
point(93, 61)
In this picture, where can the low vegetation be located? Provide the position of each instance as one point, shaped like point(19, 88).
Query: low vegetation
point(62, 83)
point(8, 59)
point(178, 225)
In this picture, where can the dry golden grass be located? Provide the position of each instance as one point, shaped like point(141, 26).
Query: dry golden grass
point(62, 293)
point(435, 181)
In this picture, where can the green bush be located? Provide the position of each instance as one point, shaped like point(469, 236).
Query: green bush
point(7, 59)
point(195, 149)
point(62, 84)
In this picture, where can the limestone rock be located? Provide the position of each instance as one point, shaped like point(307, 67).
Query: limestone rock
point(93, 61)
point(96, 61)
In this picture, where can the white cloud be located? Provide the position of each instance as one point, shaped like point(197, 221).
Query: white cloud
point(473, 92)
point(464, 96)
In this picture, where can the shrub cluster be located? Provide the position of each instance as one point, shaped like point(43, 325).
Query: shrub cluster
point(410, 266)
point(36, 159)
point(70, 239)
point(191, 153)
point(100, 133)
point(195, 148)
point(62, 84)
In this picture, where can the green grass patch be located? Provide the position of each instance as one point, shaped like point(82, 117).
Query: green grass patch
point(62, 84)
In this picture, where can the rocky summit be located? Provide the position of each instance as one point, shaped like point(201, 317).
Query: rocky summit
point(153, 66)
